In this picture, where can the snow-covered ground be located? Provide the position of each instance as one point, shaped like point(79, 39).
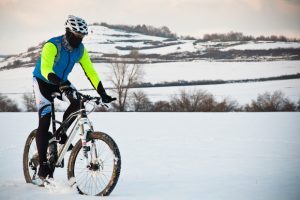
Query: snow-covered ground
point(102, 40)
point(264, 45)
point(205, 70)
point(20, 80)
point(105, 40)
point(243, 93)
point(174, 156)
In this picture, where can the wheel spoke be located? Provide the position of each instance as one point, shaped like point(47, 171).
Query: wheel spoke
point(95, 179)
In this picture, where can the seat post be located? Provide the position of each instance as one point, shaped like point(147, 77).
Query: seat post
point(53, 117)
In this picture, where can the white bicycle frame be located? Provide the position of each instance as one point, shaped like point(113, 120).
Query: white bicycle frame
point(85, 126)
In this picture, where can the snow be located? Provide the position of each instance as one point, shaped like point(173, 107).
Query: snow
point(19, 80)
point(264, 45)
point(104, 40)
point(207, 156)
point(205, 70)
point(185, 46)
point(16, 80)
point(6, 62)
point(243, 93)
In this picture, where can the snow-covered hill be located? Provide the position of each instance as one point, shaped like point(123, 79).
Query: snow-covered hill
point(175, 156)
point(104, 44)
point(264, 45)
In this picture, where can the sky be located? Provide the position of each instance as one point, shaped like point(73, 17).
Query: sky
point(26, 23)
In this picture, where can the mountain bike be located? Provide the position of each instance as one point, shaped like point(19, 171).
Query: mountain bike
point(94, 164)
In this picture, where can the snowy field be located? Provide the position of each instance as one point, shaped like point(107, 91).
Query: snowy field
point(20, 80)
point(264, 45)
point(243, 93)
point(105, 40)
point(170, 156)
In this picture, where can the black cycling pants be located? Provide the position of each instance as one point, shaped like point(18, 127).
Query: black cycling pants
point(43, 92)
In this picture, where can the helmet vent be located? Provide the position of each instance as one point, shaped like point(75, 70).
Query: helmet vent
point(76, 24)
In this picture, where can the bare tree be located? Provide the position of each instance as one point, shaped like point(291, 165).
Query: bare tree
point(140, 102)
point(197, 101)
point(29, 102)
point(268, 102)
point(7, 105)
point(161, 106)
point(227, 105)
point(124, 77)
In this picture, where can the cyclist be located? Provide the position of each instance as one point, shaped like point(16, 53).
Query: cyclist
point(58, 57)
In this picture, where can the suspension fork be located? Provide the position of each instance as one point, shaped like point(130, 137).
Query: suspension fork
point(85, 128)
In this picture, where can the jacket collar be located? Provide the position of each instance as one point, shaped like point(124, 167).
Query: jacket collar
point(66, 44)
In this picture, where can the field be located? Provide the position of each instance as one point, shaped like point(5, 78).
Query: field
point(17, 81)
point(176, 156)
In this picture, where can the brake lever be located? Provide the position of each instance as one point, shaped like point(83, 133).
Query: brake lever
point(105, 105)
point(102, 104)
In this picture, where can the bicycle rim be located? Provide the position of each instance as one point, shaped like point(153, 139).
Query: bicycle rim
point(100, 177)
point(30, 157)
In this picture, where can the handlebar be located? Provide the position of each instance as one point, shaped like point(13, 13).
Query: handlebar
point(85, 98)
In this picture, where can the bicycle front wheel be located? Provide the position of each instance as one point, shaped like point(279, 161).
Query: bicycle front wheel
point(99, 173)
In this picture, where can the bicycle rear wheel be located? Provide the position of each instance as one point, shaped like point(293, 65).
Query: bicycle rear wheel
point(30, 157)
point(100, 175)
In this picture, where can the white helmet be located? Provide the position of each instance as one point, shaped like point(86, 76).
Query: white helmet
point(76, 24)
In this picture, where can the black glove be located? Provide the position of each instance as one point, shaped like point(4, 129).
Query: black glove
point(65, 87)
point(106, 98)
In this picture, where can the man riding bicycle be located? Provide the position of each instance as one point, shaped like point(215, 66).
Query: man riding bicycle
point(58, 57)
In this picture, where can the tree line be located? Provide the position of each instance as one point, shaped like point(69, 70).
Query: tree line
point(203, 101)
point(143, 29)
point(164, 31)
point(185, 101)
point(238, 36)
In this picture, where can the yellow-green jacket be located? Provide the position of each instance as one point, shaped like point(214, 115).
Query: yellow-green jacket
point(55, 58)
